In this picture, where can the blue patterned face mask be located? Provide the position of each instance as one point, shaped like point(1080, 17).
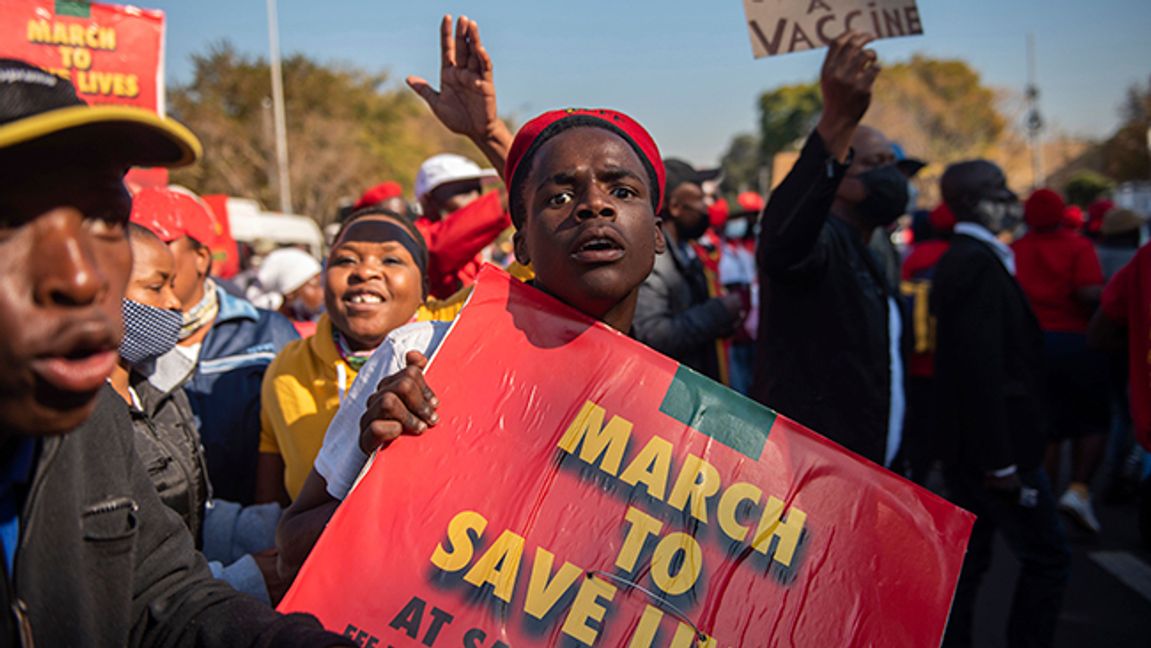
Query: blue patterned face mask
point(149, 332)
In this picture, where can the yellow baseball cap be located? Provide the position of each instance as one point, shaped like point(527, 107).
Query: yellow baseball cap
point(41, 109)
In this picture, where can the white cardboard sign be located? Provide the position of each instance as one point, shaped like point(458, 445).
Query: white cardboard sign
point(785, 26)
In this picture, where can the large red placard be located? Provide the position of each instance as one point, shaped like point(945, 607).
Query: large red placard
point(582, 489)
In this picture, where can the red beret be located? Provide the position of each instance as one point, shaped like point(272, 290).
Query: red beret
point(379, 193)
point(941, 218)
point(542, 128)
point(1044, 209)
point(173, 214)
point(718, 213)
point(749, 201)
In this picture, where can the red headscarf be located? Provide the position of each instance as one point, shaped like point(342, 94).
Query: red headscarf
point(539, 130)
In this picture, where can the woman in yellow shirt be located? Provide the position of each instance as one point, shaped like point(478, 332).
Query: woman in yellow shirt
point(374, 282)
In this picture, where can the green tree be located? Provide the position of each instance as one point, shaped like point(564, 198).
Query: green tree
point(937, 109)
point(1085, 186)
point(346, 130)
point(741, 165)
point(1125, 154)
point(786, 114)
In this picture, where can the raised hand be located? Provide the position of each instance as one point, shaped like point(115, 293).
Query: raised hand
point(846, 80)
point(466, 101)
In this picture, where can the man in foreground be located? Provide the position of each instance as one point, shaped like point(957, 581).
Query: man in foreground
point(91, 554)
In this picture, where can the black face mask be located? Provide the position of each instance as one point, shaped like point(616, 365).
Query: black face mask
point(886, 195)
point(695, 230)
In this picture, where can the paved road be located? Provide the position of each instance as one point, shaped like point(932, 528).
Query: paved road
point(1108, 603)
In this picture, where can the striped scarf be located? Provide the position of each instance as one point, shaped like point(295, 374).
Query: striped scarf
point(202, 313)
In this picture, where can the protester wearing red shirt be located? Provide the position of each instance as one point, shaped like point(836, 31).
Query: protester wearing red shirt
point(1127, 302)
point(1060, 273)
point(925, 254)
point(459, 220)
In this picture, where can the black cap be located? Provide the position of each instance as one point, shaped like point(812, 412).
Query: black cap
point(680, 172)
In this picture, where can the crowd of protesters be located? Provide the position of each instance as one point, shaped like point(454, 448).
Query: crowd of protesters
point(163, 433)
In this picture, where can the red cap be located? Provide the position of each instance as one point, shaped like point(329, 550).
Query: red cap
point(1095, 213)
point(172, 215)
point(542, 128)
point(1044, 209)
point(717, 213)
point(749, 201)
point(941, 218)
point(379, 193)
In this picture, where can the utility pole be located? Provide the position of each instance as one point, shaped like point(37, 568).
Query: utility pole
point(1034, 120)
point(278, 110)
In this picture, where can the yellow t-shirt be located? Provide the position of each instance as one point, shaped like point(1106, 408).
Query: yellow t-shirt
point(299, 397)
point(302, 389)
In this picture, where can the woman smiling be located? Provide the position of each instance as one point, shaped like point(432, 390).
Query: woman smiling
point(374, 282)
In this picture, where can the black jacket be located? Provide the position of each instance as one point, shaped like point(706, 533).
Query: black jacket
point(822, 355)
point(102, 561)
point(677, 316)
point(169, 447)
point(988, 362)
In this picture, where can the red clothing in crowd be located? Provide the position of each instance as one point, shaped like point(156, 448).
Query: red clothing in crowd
point(918, 268)
point(1050, 267)
point(923, 257)
point(456, 240)
point(1127, 298)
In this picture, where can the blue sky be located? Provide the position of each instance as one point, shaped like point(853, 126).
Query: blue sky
point(684, 68)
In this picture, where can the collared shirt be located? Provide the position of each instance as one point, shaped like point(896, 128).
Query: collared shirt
point(981, 233)
point(15, 474)
point(301, 392)
point(898, 399)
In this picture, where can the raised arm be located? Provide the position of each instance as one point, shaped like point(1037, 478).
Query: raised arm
point(466, 101)
point(799, 206)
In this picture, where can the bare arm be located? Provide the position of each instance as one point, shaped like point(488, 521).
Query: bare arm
point(402, 404)
point(466, 101)
point(302, 524)
point(270, 479)
point(798, 208)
